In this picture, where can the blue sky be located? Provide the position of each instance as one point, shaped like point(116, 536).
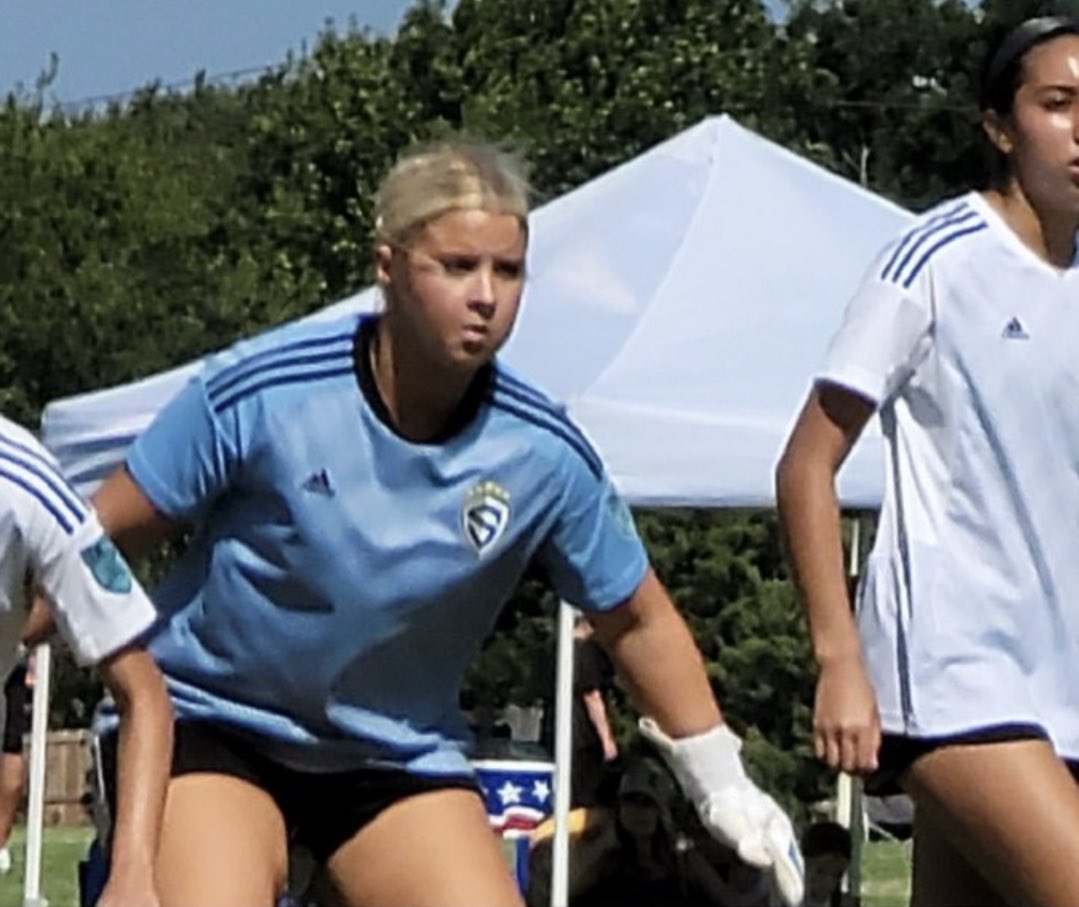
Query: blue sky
point(110, 47)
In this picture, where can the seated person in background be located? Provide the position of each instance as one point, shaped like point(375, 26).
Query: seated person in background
point(594, 746)
point(626, 856)
point(826, 849)
point(717, 877)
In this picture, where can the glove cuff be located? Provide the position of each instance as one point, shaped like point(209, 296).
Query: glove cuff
point(703, 764)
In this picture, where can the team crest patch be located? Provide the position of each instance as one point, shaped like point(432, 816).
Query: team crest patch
point(620, 514)
point(107, 566)
point(485, 515)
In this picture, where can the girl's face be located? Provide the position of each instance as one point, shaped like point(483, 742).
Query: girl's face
point(1041, 135)
point(455, 290)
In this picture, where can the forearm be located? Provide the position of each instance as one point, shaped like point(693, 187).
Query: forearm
point(658, 662)
point(809, 513)
point(597, 714)
point(144, 758)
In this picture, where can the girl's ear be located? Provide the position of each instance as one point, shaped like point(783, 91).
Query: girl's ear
point(383, 259)
point(997, 129)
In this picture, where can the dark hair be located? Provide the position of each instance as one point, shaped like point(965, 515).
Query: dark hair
point(1003, 71)
point(825, 838)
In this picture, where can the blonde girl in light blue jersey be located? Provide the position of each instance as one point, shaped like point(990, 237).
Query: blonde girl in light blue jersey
point(364, 496)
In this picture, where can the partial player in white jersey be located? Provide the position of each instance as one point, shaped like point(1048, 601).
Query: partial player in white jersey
point(365, 495)
point(53, 542)
point(958, 677)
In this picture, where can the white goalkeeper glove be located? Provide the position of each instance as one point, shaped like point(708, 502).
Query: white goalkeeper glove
point(733, 809)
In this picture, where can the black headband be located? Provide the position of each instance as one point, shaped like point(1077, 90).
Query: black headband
point(1015, 46)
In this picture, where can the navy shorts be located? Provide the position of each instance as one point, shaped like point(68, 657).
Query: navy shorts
point(16, 712)
point(322, 810)
point(898, 753)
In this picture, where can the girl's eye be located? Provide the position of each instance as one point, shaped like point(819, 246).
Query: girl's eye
point(509, 270)
point(458, 265)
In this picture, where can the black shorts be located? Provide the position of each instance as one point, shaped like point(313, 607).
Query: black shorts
point(898, 753)
point(16, 711)
point(322, 810)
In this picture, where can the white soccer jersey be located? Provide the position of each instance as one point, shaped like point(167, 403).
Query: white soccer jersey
point(50, 536)
point(969, 606)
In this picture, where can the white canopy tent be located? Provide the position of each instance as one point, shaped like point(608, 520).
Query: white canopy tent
point(678, 305)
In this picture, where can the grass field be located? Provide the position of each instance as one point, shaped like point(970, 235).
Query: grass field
point(64, 847)
point(886, 870)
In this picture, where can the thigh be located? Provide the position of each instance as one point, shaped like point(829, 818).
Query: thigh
point(12, 775)
point(1009, 811)
point(432, 849)
point(223, 837)
point(223, 844)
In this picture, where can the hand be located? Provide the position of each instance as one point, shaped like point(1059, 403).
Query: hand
point(752, 823)
point(846, 723)
point(735, 811)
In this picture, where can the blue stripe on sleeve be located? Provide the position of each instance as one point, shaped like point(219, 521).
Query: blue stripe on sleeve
point(946, 240)
point(519, 405)
point(929, 236)
point(38, 466)
point(915, 232)
point(275, 379)
point(238, 371)
point(220, 390)
point(46, 501)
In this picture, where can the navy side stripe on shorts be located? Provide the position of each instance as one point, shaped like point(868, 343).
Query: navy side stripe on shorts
point(228, 377)
point(518, 404)
point(282, 376)
point(30, 466)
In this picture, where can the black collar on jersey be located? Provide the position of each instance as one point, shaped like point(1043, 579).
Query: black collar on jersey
point(466, 410)
point(1014, 47)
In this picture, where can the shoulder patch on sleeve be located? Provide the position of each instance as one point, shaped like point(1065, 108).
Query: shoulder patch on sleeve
point(107, 566)
point(620, 514)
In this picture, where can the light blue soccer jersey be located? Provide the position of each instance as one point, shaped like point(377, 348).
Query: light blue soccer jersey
point(341, 578)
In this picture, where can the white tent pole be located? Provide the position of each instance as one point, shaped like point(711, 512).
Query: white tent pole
point(35, 813)
point(563, 756)
point(849, 803)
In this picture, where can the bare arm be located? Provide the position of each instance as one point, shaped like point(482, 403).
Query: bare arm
point(597, 714)
point(128, 516)
point(144, 758)
point(39, 624)
point(658, 660)
point(846, 725)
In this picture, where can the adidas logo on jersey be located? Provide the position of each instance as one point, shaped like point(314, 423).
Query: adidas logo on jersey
point(1014, 330)
point(485, 516)
point(319, 483)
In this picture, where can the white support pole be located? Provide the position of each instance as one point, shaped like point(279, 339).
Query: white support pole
point(35, 811)
point(850, 806)
point(563, 756)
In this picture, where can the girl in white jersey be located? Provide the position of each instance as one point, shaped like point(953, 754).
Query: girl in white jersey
point(364, 497)
point(50, 538)
point(958, 678)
